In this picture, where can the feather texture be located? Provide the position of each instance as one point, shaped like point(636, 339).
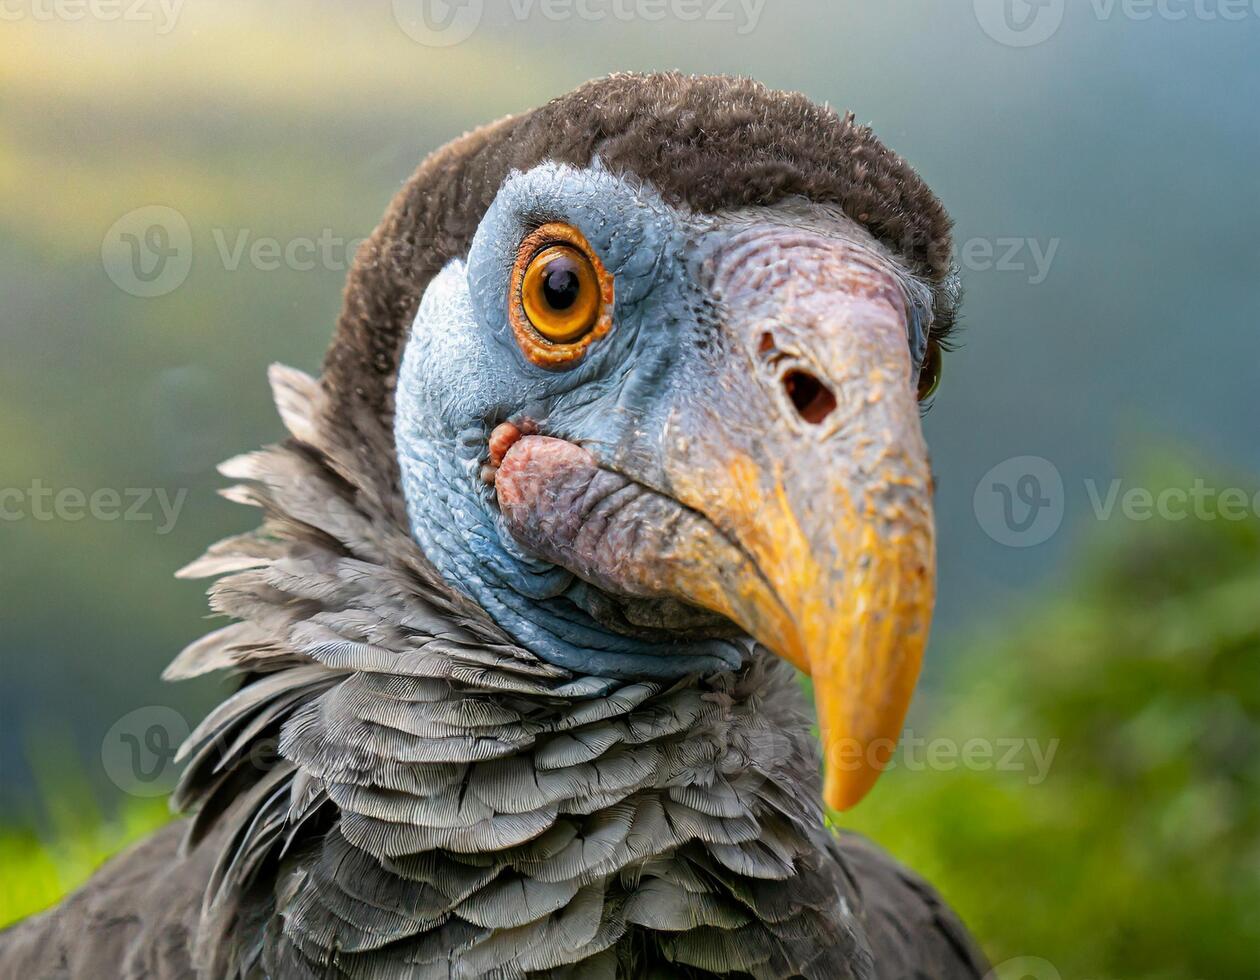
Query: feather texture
point(436, 802)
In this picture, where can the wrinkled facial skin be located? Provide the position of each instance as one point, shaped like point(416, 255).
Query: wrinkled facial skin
point(615, 517)
point(463, 373)
point(739, 458)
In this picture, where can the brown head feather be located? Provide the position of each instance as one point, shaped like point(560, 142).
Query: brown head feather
point(709, 142)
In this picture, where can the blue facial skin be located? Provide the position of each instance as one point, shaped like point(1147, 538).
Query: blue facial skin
point(463, 373)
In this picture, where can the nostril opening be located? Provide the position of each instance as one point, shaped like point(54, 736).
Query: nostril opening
point(813, 399)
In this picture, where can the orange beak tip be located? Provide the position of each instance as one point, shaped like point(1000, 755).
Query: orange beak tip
point(851, 771)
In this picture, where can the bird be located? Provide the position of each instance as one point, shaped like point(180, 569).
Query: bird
point(619, 433)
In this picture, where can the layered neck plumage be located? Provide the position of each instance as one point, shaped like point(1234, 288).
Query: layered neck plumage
point(398, 789)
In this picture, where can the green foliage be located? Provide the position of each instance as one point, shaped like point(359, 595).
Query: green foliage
point(39, 868)
point(1138, 856)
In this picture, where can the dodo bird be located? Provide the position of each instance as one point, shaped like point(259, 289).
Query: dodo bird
point(620, 424)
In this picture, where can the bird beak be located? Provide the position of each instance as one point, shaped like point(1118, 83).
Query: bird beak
point(809, 456)
point(792, 443)
point(840, 582)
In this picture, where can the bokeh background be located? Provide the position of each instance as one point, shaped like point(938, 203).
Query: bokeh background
point(1100, 158)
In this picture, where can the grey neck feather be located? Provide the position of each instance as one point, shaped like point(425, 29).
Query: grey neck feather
point(445, 804)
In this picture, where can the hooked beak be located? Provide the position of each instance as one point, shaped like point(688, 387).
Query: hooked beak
point(825, 488)
point(840, 581)
point(799, 461)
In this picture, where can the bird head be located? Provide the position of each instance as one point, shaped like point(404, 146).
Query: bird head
point(653, 358)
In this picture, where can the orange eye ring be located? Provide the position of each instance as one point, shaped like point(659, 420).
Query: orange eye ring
point(561, 296)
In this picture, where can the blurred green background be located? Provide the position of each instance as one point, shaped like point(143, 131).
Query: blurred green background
point(1104, 184)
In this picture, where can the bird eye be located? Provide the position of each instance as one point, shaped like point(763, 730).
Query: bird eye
point(930, 372)
point(560, 293)
point(561, 296)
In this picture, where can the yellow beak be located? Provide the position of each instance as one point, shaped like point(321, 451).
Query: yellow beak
point(830, 512)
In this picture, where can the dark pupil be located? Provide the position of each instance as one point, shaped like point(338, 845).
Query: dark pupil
point(561, 284)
